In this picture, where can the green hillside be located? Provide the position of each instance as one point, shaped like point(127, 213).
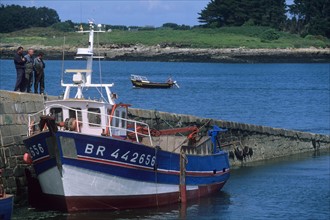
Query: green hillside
point(225, 37)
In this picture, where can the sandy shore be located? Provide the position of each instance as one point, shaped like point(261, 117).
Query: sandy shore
point(175, 54)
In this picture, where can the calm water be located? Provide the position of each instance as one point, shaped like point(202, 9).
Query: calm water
point(293, 96)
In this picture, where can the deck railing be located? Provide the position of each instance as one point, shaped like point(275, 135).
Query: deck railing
point(133, 131)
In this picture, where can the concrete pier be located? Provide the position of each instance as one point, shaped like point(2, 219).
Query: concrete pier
point(245, 143)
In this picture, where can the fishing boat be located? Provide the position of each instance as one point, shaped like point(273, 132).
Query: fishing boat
point(6, 203)
point(89, 155)
point(143, 82)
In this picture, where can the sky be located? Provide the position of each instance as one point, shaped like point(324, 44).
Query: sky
point(122, 12)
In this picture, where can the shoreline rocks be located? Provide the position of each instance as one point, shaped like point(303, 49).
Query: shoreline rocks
point(175, 53)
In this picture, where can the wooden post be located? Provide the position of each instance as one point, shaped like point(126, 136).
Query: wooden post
point(183, 192)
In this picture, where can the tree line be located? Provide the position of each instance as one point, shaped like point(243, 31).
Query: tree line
point(15, 17)
point(302, 17)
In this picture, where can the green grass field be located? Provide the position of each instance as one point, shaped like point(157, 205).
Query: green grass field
point(227, 37)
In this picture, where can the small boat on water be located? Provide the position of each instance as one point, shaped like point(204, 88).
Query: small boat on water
point(6, 203)
point(89, 155)
point(143, 82)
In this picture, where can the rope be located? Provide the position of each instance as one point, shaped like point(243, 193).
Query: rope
point(185, 140)
point(167, 123)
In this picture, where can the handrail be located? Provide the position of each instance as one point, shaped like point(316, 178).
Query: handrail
point(107, 125)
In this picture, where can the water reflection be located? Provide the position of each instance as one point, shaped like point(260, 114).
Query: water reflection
point(203, 208)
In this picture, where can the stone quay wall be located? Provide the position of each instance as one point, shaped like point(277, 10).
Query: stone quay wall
point(244, 142)
point(14, 110)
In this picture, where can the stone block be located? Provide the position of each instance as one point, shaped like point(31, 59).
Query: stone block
point(31, 97)
point(9, 108)
point(39, 106)
point(7, 152)
point(7, 172)
point(2, 108)
point(304, 136)
point(226, 124)
point(5, 130)
point(234, 125)
point(21, 119)
point(292, 134)
point(2, 163)
point(22, 149)
point(276, 131)
point(268, 130)
point(241, 126)
point(9, 95)
point(30, 107)
point(6, 140)
point(11, 183)
point(18, 139)
point(14, 150)
point(144, 114)
point(20, 160)
point(12, 162)
point(14, 130)
point(324, 138)
point(259, 129)
point(19, 108)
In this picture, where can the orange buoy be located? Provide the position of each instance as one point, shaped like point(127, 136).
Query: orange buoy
point(27, 158)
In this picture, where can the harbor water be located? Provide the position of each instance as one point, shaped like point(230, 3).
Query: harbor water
point(292, 96)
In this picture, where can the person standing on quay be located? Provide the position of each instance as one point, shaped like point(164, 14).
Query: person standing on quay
point(39, 77)
point(29, 70)
point(19, 62)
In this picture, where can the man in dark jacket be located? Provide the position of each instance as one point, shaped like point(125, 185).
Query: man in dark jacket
point(19, 62)
point(39, 77)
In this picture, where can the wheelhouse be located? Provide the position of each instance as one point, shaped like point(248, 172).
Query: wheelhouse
point(89, 117)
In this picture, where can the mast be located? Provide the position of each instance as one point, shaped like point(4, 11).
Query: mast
point(82, 78)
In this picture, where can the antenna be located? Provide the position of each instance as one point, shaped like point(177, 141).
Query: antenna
point(63, 59)
point(80, 14)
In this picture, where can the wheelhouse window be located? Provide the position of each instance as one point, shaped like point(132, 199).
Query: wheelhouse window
point(123, 121)
point(117, 113)
point(57, 113)
point(73, 113)
point(94, 117)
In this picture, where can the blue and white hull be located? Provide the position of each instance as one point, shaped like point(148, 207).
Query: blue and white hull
point(89, 170)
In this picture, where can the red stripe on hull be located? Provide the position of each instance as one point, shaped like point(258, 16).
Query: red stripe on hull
point(106, 203)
